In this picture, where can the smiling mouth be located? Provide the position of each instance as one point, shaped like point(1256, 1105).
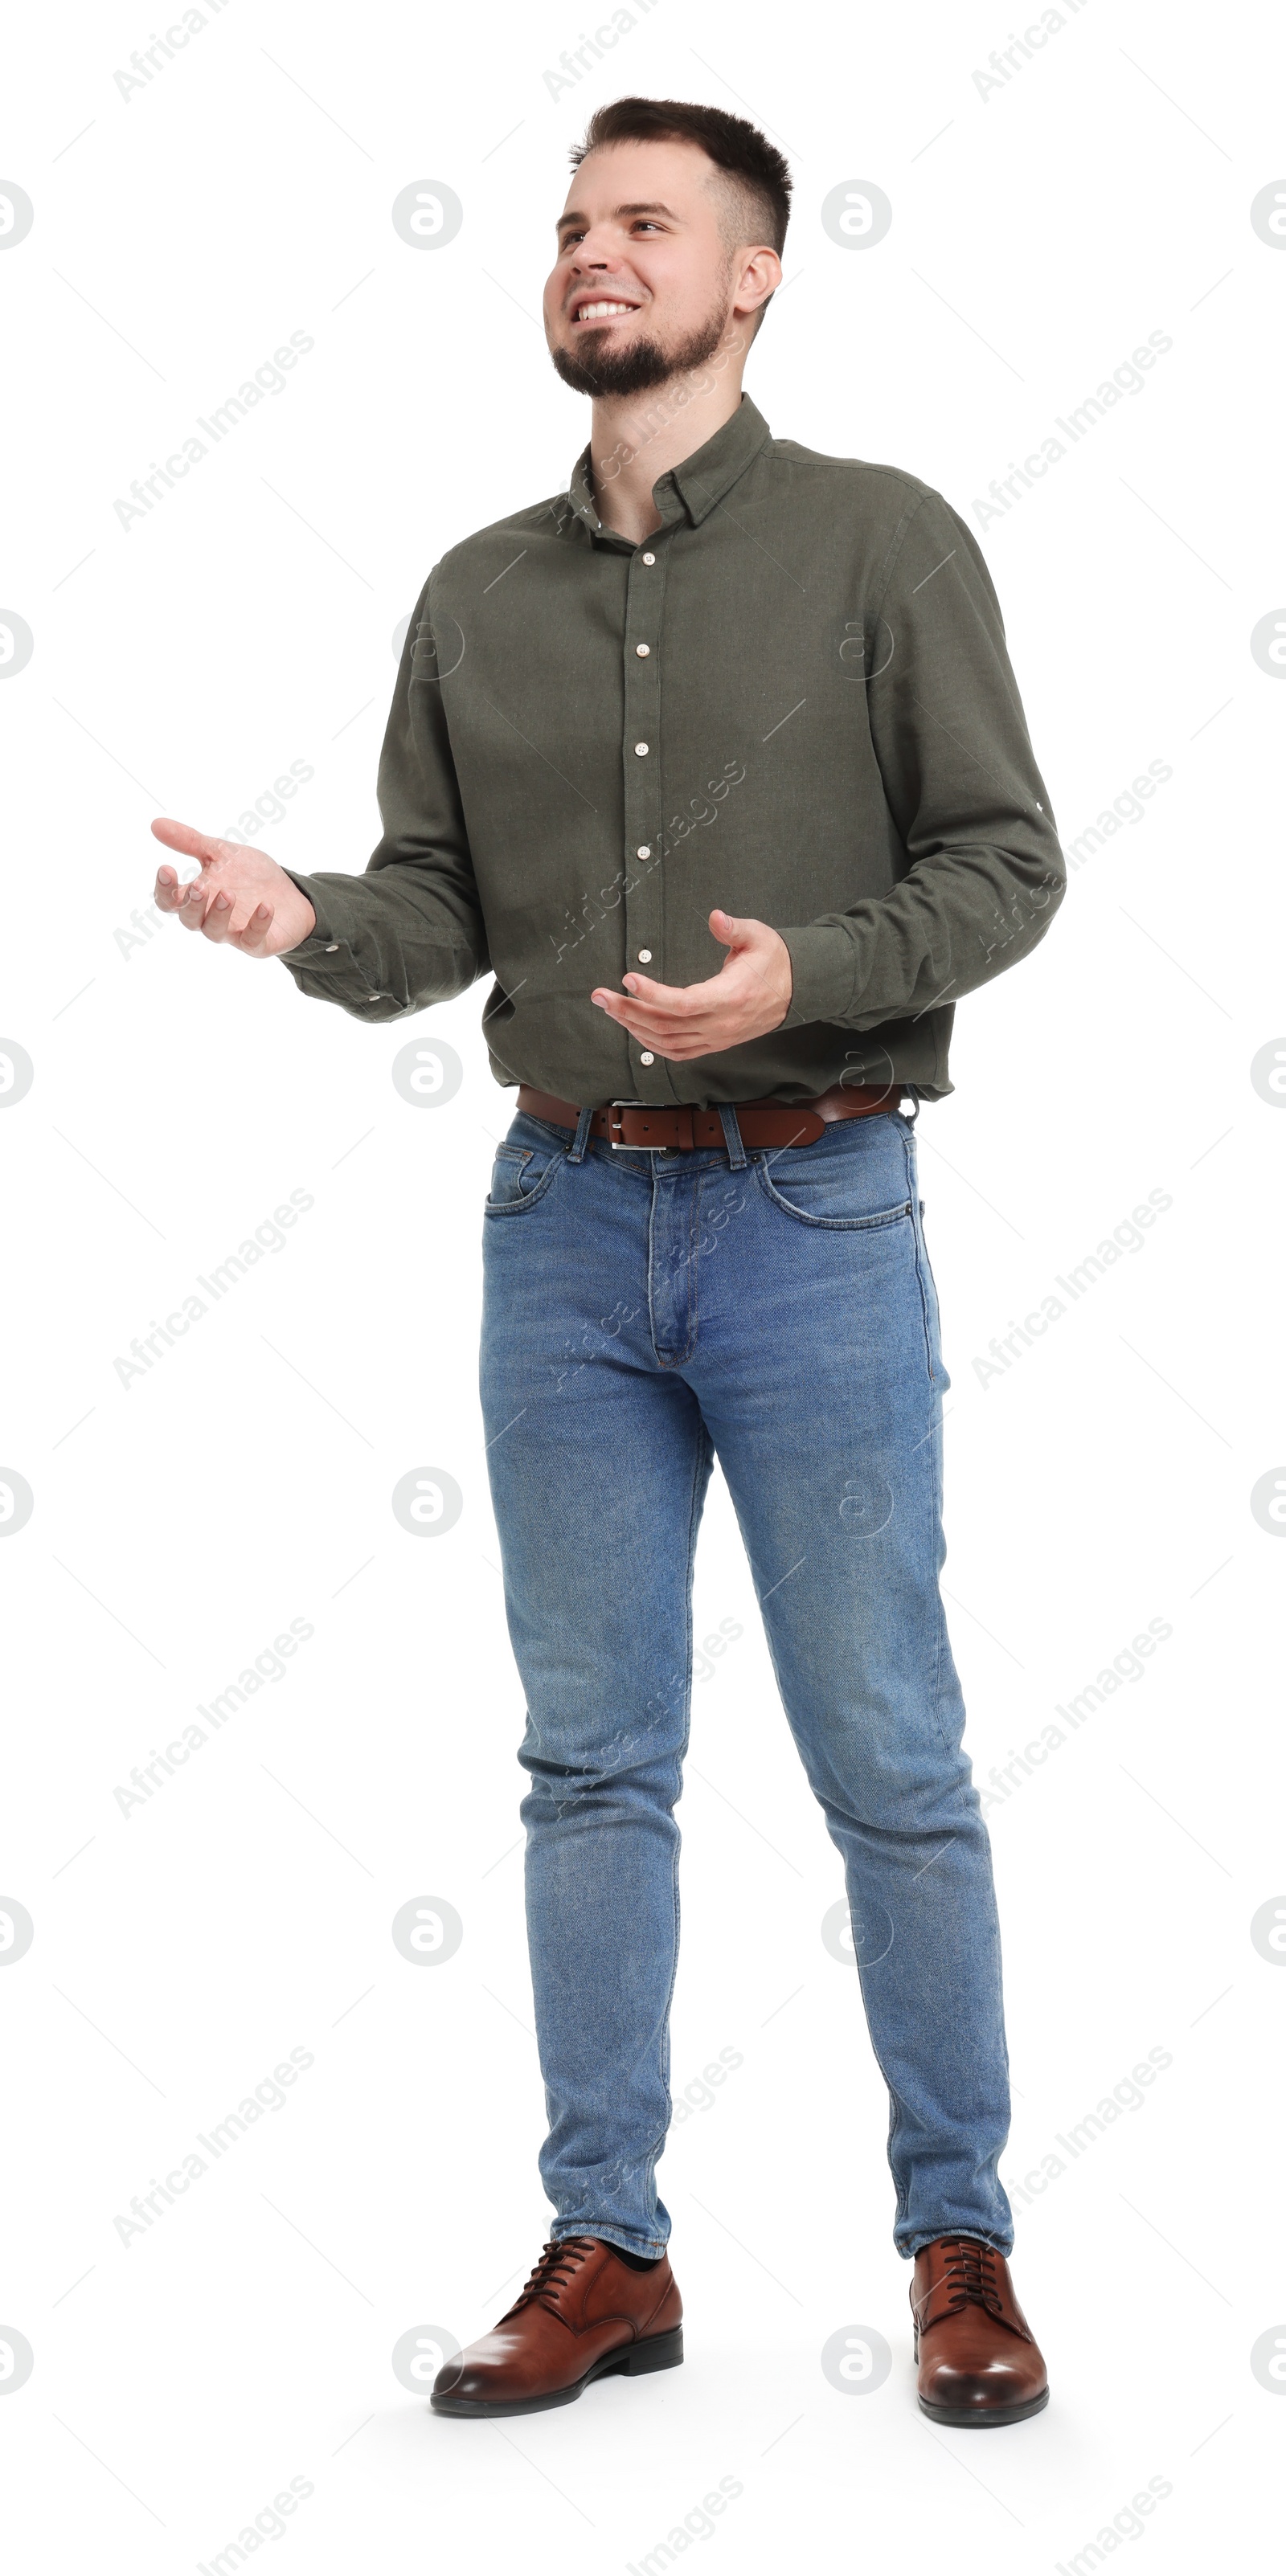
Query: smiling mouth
point(604, 310)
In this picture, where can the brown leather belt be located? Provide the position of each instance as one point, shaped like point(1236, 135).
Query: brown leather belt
point(761, 1122)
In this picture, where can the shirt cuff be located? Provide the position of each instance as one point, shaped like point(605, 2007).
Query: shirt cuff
point(323, 944)
point(823, 967)
point(328, 957)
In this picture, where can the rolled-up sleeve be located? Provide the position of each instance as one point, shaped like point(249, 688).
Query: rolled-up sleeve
point(410, 930)
point(985, 873)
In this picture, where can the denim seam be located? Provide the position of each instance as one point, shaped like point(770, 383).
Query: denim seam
point(694, 1250)
point(665, 1358)
point(901, 2195)
point(921, 1248)
point(901, 2192)
point(945, 1739)
point(651, 2246)
point(973, 2233)
point(701, 1461)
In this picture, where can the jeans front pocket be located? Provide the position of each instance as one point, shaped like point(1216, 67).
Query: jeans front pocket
point(522, 1172)
point(852, 1179)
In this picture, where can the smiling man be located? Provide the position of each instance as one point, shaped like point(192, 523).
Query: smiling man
point(716, 761)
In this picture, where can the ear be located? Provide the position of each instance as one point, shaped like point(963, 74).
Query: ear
point(760, 277)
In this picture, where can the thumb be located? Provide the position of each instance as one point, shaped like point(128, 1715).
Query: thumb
point(729, 932)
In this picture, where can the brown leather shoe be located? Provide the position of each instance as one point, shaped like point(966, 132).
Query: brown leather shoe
point(978, 2359)
point(582, 2315)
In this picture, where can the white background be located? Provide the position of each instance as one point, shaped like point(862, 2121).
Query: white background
point(1039, 234)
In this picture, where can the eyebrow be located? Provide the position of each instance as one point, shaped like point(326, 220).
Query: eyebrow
point(654, 208)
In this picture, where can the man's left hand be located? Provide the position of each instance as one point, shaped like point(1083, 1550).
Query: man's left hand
point(749, 995)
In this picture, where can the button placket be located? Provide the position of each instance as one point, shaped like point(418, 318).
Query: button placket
point(641, 756)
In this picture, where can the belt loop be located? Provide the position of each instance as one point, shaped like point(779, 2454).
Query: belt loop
point(581, 1138)
point(910, 1086)
point(732, 1136)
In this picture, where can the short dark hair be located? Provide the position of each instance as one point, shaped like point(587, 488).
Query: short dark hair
point(758, 172)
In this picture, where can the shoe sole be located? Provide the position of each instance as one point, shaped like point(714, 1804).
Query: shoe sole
point(655, 2352)
point(991, 2415)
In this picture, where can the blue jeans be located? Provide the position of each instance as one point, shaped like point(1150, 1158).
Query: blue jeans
point(643, 1312)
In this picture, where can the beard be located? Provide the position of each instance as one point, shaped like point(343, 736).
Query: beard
point(642, 364)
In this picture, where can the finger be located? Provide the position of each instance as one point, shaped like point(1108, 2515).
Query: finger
point(642, 989)
point(700, 1036)
point(629, 1014)
point(185, 837)
point(667, 1001)
point(167, 891)
point(254, 938)
point(191, 902)
point(633, 1014)
point(681, 997)
point(217, 923)
point(227, 926)
point(683, 1050)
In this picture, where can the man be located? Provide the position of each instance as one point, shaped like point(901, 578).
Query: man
point(719, 671)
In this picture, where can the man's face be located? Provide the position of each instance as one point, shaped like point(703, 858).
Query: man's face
point(644, 283)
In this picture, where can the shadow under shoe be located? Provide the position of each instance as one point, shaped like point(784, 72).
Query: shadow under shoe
point(978, 2361)
point(582, 2315)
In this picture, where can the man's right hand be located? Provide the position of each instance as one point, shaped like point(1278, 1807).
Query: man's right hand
point(241, 897)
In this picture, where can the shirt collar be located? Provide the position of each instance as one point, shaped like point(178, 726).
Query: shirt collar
point(697, 485)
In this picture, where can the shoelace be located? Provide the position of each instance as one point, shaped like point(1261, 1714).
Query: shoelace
point(970, 2269)
point(561, 2257)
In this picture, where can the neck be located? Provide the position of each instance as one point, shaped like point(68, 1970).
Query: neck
point(635, 439)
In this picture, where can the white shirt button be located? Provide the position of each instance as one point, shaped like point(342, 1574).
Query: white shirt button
point(644, 850)
point(649, 558)
point(641, 750)
point(374, 997)
point(642, 651)
point(645, 956)
point(333, 948)
point(647, 1056)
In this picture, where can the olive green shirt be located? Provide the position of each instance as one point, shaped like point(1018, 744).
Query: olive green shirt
point(792, 701)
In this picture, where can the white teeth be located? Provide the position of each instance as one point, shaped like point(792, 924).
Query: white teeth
point(600, 312)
